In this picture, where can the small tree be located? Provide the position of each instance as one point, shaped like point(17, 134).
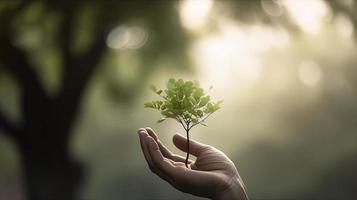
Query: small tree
point(186, 102)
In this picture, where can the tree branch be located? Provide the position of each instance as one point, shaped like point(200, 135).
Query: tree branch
point(13, 58)
point(7, 15)
point(68, 9)
point(202, 120)
point(75, 80)
point(15, 61)
point(8, 128)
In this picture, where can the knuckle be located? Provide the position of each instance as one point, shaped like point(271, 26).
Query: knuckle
point(208, 147)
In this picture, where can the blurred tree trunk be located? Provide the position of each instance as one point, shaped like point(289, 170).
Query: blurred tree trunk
point(49, 172)
point(44, 136)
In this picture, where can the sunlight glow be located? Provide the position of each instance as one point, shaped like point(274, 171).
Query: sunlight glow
point(344, 26)
point(310, 73)
point(193, 13)
point(127, 37)
point(230, 57)
point(308, 15)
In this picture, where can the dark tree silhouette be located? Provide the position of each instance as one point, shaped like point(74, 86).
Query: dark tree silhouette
point(44, 136)
point(44, 133)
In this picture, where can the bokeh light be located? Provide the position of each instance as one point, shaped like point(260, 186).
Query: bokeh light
point(127, 37)
point(309, 15)
point(344, 26)
point(310, 73)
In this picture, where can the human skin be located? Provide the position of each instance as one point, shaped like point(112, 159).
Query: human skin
point(212, 175)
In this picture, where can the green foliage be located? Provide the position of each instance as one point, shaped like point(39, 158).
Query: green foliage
point(184, 101)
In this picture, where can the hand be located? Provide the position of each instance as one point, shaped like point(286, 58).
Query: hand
point(212, 175)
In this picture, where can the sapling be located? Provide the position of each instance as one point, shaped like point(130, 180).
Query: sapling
point(186, 102)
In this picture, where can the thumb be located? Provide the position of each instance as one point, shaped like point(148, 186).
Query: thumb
point(195, 147)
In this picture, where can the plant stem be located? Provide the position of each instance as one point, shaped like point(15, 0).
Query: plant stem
point(188, 146)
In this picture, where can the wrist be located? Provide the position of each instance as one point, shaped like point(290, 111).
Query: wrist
point(235, 191)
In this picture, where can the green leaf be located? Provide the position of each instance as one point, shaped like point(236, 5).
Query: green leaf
point(204, 101)
point(198, 94)
point(153, 88)
point(168, 114)
point(195, 121)
point(161, 120)
point(180, 82)
point(171, 84)
point(149, 105)
point(200, 113)
point(203, 124)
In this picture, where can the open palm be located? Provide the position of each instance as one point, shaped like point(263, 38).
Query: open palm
point(212, 175)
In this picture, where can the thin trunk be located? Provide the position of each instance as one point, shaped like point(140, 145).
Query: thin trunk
point(188, 146)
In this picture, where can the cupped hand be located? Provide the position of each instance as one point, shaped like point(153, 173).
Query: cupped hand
point(212, 174)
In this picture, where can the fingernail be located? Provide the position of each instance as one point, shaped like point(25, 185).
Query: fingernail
point(179, 135)
point(141, 130)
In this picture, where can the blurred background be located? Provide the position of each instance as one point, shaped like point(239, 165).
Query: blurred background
point(74, 76)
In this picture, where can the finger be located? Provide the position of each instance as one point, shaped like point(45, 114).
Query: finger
point(142, 135)
point(167, 153)
point(144, 146)
point(164, 150)
point(161, 164)
point(152, 133)
point(195, 147)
